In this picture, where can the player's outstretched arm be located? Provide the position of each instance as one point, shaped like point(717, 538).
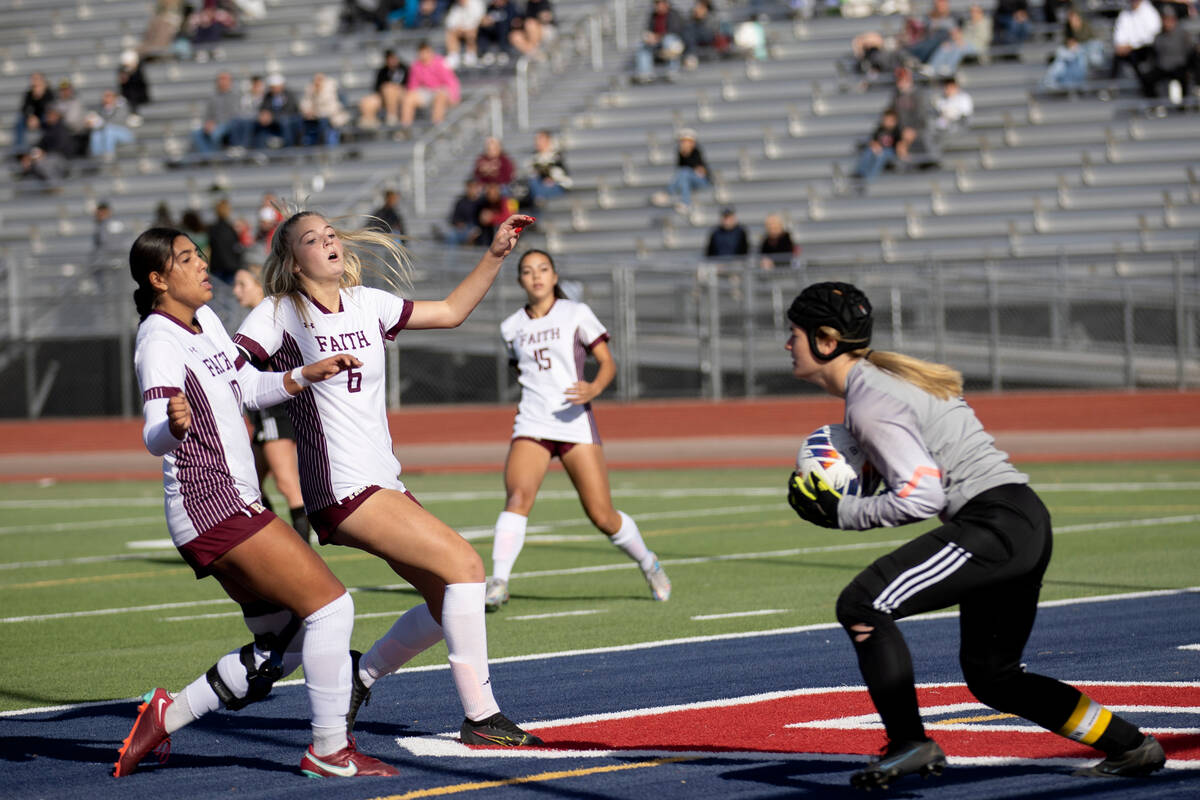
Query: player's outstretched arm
point(458, 305)
point(318, 371)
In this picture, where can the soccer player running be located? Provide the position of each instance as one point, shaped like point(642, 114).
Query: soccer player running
point(548, 340)
point(989, 556)
point(316, 306)
point(194, 383)
point(273, 441)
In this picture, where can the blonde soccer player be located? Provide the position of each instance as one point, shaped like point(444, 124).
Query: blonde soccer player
point(316, 305)
point(988, 556)
point(548, 341)
point(194, 383)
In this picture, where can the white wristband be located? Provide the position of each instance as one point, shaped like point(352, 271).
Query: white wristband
point(299, 378)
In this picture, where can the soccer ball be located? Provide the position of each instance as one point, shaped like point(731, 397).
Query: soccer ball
point(832, 452)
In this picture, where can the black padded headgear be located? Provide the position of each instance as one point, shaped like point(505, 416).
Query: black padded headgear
point(840, 306)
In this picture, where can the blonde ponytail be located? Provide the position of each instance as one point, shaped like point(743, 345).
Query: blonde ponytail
point(939, 380)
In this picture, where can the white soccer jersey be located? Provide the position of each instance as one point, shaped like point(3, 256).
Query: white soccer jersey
point(342, 435)
point(208, 476)
point(549, 353)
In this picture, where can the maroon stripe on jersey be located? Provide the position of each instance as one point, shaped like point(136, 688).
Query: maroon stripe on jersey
point(159, 392)
point(252, 347)
point(391, 332)
point(316, 480)
point(205, 479)
point(580, 355)
point(601, 338)
point(239, 362)
point(179, 322)
point(587, 407)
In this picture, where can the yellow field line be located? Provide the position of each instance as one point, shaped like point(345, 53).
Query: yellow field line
point(439, 791)
point(981, 718)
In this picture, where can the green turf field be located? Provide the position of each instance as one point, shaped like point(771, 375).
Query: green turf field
point(726, 537)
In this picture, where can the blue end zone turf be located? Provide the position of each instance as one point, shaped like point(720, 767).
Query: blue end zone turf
point(255, 753)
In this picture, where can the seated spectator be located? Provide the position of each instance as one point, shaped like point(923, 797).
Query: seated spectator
point(533, 29)
point(223, 121)
point(1054, 10)
point(880, 150)
point(972, 40)
point(548, 170)
point(225, 250)
point(1011, 22)
point(132, 82)
point(322, 112)
point(462, 26)
point(37, 100)
point(163, 37)
point(162, 216)
point(494, 30)
point(425, 14)
point(1069, 69)
point(750, 40)
point(464, 216)
point(1077, 28)
point(954, 107)
point(387, 218)
point(729, 238)
point(1174, 59)
point(494, 209)
point(48, 160)
point(776, 248)
point(493, 166)
point(107, 125)
point(1133, 42)
point(431, 84)
point(701, 33)
point(388, 95)
point(662, 40)
point(691, 171)
point(208, 25)
point(106, 234)
point(936, 29)
point(74, 116)
point(909, 102)
point(278, 115)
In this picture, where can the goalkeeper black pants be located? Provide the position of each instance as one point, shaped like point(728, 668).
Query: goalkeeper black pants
point(989, 559)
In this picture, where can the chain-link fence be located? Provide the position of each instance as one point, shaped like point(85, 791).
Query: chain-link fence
point(682, 329)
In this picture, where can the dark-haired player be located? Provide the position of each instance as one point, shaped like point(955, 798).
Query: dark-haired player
point(989, 556)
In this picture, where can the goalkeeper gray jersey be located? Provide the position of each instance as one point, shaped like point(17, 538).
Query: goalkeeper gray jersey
point(934, 454)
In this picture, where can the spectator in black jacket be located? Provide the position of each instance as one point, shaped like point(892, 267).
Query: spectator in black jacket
point(1174, 57)
point(464, 217)
point(728, 238)
point(387, 218)
point(48, 160)
point(224, 244)
point(134, 88)
point(279, 114)
point(691, 171)
point(390, 82)
point(662, 41)
point(548, 170)
point(1011, 19)
point(776, 248)
point(38, 97)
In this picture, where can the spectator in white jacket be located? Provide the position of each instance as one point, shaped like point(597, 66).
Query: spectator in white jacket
point(322, 111)
point(1133, 42)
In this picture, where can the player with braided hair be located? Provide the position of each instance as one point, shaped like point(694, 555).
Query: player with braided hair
point(989, 556)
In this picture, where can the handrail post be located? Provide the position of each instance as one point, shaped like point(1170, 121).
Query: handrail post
point(620, 25)
point(522, 90)
point(418, 177)
point(595, 43)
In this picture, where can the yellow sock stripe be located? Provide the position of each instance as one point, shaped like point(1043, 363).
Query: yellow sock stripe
point(438, 791)
point(1087, 722)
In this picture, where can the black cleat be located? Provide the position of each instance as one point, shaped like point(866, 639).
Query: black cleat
point(1147, 757)
point(899, 759)
point(360, 694)
point(497, 730)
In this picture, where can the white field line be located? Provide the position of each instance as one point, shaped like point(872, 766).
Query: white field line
point(1189, 647)
point(569, 494)
point(626, 565)
point(85, 525)
point(581, 613)
point(762, 612)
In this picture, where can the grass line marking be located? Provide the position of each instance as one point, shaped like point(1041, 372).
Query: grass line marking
point(116, 576)
point(551, 615)
point(441, 791)
point(731, 615)
point(89, 525)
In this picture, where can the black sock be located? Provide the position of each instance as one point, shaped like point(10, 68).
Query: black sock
point(300, 522)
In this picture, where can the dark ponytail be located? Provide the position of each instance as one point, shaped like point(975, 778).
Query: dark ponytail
point(152, 251)
point(558, 290)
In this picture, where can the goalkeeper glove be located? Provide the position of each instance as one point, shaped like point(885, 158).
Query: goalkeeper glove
point(813, 499)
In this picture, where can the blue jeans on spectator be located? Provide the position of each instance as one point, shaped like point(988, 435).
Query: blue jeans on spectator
point(644, 58)
point(871, 164)
point(1010, 30)
point(923, 50)
point(287, 128)
point(320, 131)
point(1069, 69)
point(103, 141)
point(236, 132)
point(685, 181)
point(948, 56)
point(540, 192)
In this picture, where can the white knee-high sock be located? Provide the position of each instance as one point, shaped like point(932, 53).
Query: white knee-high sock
point(326, 659)
point(507, 544)
point(413, 633)
point(466, 639)
point(629, 539)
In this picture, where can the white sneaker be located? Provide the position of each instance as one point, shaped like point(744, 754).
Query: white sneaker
point(496, 594)
point(1175, 93)
point(487, 59)
point(660, 584)
point(470, 59)
point(452, 60)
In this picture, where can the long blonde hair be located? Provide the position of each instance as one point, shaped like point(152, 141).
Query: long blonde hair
point(939, 380)
point(362, 250)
